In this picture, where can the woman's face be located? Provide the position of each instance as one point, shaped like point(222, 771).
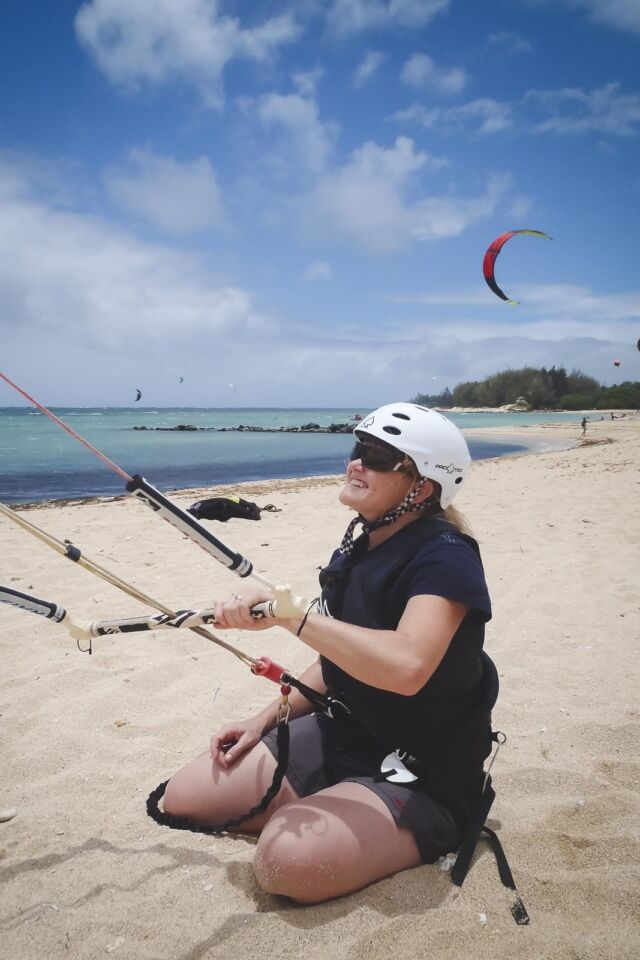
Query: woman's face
point(372, 493)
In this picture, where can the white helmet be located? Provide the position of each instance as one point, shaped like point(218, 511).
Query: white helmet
point(434, 443)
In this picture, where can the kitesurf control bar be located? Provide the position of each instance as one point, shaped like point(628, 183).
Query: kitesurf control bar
point(183, 619)
point(73, 553)
point(188, 525)
point(43, 608)
point(186, 619)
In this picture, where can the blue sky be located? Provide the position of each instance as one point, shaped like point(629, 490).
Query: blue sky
point(296, 197)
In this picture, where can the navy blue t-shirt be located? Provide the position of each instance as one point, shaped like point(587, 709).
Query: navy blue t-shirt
point(371, 588)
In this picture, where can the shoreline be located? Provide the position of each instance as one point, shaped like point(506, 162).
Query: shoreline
point(533, 444)
point(626, 411)
point(532, 437)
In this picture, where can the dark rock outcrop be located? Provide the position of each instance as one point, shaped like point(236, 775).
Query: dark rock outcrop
point(242, 428)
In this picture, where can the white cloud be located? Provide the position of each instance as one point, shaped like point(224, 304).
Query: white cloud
point(179, 198)
point(476, 296)
point(89, 312)
point(306, 82)
point(485, 114)
point(369, 201)
point(568, 111)
point(562, 324)
point(152, 41)
point(71, 275)
point(308, 141)
point(573, 110)
point(318, 270)
point(367, 68)
point(549, 311)
point(620, 14)
point(448, 217)
point(421, 72)
point(347, 17)
point(520, 207)
point(509, 41)
point(573, 301)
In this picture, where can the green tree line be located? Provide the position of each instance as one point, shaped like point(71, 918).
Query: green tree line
point(543, 389)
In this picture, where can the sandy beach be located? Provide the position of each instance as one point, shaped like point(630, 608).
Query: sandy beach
point(85, 873)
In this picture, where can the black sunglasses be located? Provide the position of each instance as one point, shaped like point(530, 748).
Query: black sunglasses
point(377, 458)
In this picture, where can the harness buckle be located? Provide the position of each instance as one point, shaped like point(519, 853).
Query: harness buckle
point(336, 703)
point(394, 768)
point(500, 738)
point(284, 707)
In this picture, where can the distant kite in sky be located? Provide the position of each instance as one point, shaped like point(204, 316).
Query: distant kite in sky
point(638, 344)
point(616, 363)
point(138, 395)
point(489, 262)
point(232, 386)
point(181, 380)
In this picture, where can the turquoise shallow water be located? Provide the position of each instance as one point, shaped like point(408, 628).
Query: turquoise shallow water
point(39, 461)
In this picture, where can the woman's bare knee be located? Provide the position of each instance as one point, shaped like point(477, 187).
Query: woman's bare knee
point(331, 844)
point(280, 865)
point(177, 799)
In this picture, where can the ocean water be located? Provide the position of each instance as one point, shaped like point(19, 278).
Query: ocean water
point(39, 461)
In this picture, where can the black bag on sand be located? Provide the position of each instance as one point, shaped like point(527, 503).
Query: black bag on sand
point(224, 508)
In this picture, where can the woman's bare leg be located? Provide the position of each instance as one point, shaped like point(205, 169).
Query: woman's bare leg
point(331, 843)
point(206, 794)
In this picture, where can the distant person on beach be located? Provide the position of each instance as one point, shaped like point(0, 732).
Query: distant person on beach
point(399, 634)
point(584, 422)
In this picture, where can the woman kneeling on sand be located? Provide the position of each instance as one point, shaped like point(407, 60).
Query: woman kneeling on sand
point(399, 634)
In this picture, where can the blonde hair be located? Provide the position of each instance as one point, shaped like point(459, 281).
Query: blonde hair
point(457, 519)
point(432, 506)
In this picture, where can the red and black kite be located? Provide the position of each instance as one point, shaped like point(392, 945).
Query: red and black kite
point(489, 262)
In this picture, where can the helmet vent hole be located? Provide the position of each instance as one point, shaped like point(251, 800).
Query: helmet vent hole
point(401, 416)
point(394, 430)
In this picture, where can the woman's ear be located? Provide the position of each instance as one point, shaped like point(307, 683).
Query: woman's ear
point(425, 492)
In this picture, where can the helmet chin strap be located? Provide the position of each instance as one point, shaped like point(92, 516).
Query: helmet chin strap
point(406, 505)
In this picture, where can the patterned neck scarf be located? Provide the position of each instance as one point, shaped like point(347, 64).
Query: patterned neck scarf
point(406, 505)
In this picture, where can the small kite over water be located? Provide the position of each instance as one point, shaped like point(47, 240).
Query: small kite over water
point(138, 395)
point(181, 380)
point(489, 262)
point(232, 386)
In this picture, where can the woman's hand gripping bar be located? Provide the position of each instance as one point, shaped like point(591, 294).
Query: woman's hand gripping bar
point(182, 619)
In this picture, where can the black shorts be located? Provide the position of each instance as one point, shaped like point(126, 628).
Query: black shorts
point(313, 767)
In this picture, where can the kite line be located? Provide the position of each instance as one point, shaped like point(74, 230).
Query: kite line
point(287, 603)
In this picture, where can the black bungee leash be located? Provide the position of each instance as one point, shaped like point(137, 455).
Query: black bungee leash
point(318, 700)
point(183, 823)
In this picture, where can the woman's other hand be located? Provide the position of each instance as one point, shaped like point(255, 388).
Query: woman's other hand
point(234, 739)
